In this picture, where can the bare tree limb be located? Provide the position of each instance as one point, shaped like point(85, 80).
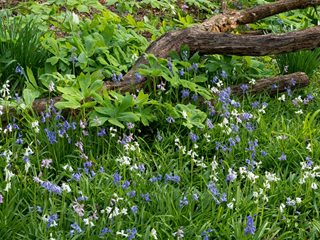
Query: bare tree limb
point(274, 85)
point(228, 21)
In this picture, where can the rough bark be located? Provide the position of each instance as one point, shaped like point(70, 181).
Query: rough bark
point(223, 43)
point(230, 20)
point(274, 85)
point(207, 38)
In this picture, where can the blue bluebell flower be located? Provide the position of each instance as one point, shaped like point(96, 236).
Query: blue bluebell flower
point(250, 228)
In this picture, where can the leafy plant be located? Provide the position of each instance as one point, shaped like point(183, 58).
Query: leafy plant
point(118, 109)
point(77, 96)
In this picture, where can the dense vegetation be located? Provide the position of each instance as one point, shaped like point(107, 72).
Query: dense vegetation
point(179, 159)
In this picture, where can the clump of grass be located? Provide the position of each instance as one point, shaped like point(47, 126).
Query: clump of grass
point(20, 45)
point(302, 61)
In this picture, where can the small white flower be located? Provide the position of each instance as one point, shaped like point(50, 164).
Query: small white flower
point(67, 167)
point(252, 81)
point(51, 87)
point(154, 234)
point(309, 147)
point(122, 233)
point(124, 160)
point(230, 205)
point(8, 187)
point(27, 166)
point(298, 200)
point(299, 112)
point(251, 176)
point(88, 221)
point(219, 84)
point(266, 185)
point(282, 207)
point(214, 90)
point(282, 98)
point(302, 180)
point(184, 114)
point(271, 177)
point(314, 186)
point(65, 187)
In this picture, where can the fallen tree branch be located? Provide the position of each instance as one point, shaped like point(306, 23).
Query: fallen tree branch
point(230, 20)
point(223, 43)
point(273, 85)
point(205, 38)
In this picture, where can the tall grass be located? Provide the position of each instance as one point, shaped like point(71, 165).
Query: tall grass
point(301, 61)
point(19, 45)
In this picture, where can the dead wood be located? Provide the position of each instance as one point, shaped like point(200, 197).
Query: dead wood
point(273, 85)
point(208, 38)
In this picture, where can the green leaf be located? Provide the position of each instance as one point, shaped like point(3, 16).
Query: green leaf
point(88, 105)
point(29, 95)
point(96, 86)
point(105, 111)
point(128, 117)
point(115, 122)
point(83, 8)
point(126, 103)
point(83, 60)
point(69, 104)
point(112, 60)
point(84, 82)
point(53, 60)
point(102, 61)
point(31, 78)
point(71, 93)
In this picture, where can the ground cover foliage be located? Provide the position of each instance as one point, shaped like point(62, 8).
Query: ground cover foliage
point(181, 158)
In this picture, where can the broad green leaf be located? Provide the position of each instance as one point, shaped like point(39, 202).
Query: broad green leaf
point(115, 122)
point(71, 92)
point(128, 117)
point(88, 104)
point(29, 95)
point(126, 103)
point(69, 104)
point(31, 78)
point(84, 82)
point(53, 60)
